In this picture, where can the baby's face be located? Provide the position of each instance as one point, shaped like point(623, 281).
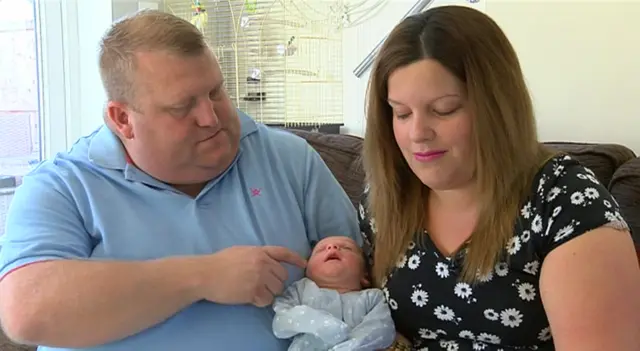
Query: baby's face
point(337, 262)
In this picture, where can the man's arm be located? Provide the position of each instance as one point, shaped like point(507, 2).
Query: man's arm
point(328, 209)
point(77, 304)
point(51, 294)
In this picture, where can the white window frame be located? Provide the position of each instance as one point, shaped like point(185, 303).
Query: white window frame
point(71, 98)
point(52, 82)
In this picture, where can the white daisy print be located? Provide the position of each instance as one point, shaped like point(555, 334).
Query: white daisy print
point(361, 210)
point(593, 179)
point(486, 277)
point(511, 317)
point(527, 291)
point(545, 334)
point(427, 334)
point(526, 210)
point(531, 267)
point(607, 203)
point(412, 245)
point(525, 236)
point(564, 232)
point(610, 216)
point(553, 193)
point(420, 297)
point(543, 180)
point(465, 334)
point(489, 338)
point(557, 170)
point(549, 226)
point(444, 313)
point(463, 290)
point(513, 246)
point(556, 211)
point(414, 262)
point(588, 170)
point(402, 261)
point(372, 224)
point(442, 270)
point(491, 315)
point(478, 345)
point(577, 198)
point(449, 345)
point(502, 269)
point(536, 224)
point(591, 193)
point(393, 304)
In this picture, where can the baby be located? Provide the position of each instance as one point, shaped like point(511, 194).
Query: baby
point(331, 308)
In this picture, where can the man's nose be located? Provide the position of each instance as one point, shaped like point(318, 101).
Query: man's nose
point(206, 114)
point(332, 247)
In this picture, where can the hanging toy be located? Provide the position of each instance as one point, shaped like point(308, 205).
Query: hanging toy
point(200, 15)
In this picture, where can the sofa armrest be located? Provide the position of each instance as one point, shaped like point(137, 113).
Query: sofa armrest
point(625, 188)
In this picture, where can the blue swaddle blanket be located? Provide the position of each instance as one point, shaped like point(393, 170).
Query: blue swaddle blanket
point(323, 319)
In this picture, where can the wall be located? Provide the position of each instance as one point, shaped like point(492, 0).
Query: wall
point(82, 33)
point(580, 59)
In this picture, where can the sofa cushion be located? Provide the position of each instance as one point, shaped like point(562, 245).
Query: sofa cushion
point(602, 159)
point(341, 153)
point(8, 345)
point(625, 188)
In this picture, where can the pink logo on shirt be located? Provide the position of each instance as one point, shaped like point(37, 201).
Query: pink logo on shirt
point(255, 192)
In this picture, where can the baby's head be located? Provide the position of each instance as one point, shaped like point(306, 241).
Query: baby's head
point(337, 263)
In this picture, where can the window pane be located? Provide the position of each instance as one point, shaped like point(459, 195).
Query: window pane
point(19, 115)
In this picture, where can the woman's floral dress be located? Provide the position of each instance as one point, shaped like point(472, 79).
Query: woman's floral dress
point(436, 311)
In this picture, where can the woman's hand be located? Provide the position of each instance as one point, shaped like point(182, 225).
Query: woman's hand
point(400, 344)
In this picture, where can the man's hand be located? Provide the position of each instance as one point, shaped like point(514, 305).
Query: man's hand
point(247, 274)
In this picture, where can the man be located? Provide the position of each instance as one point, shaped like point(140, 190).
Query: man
point(174, 225)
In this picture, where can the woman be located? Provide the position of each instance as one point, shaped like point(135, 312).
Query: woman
point(481, 238)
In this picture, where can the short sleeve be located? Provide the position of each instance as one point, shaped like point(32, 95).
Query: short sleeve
point(367, 228)
point(328, 210)
point(569, 202)
point(42, 223)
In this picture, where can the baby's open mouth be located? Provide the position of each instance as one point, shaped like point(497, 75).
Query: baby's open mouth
point(332, 257)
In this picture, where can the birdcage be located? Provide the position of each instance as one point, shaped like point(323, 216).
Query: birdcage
point(281, 66)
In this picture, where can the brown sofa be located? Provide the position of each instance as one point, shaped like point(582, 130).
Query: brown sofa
point(615, 166)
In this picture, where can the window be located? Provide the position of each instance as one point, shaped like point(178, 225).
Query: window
point(32, 89)
point(19, 110)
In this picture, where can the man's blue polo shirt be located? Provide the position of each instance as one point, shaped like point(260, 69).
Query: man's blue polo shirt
point(90, 203)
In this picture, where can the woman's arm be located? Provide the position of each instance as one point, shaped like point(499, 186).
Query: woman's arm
point(590, 288)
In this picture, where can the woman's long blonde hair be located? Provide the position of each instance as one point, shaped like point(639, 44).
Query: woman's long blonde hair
point(507, 153)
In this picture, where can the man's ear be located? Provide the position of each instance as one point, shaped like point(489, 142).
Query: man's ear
point(118, 117)
point(365, 282)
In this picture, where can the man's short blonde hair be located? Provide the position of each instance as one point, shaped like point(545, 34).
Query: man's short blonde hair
point(144, 31)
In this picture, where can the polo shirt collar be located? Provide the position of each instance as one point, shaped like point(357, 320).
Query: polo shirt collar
point(107, 151)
